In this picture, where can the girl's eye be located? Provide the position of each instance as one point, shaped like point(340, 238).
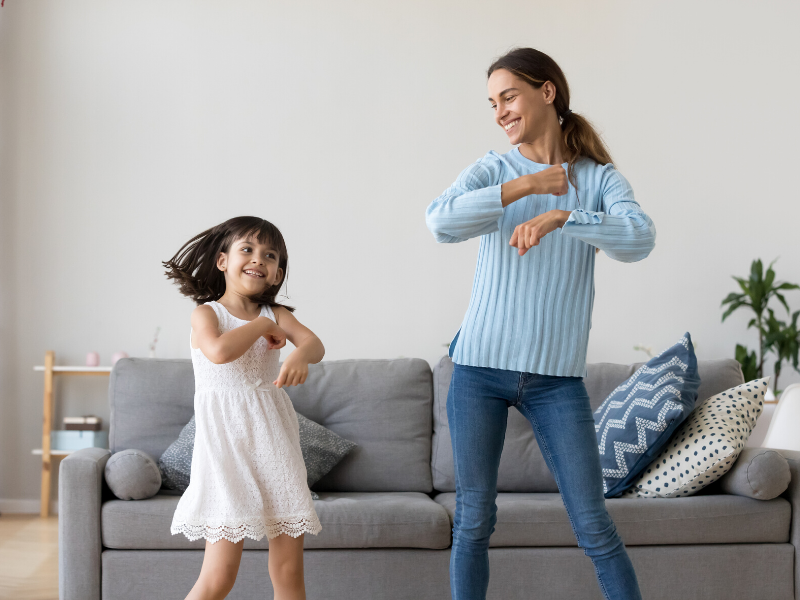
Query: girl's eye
point(510, 98)
point(494, 106)
point(245, 249)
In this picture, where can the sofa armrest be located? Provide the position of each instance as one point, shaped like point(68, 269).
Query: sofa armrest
point(792, 494)
point(80, 490)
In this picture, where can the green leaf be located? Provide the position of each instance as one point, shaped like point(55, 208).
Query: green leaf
point(744, 284)
point(788, 286)
point(782, 301)
point(748, 362)
point(733, 296)
point(756, 270)
point(732, 308)
point(769, 279)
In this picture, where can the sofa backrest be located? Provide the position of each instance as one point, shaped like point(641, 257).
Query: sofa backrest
point(384, 406)
point(522, 466)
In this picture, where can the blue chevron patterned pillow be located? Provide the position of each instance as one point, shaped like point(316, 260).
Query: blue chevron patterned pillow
point(638, 417)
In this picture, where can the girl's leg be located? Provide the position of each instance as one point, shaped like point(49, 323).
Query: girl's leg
point(218, 574)
point(559, 410)
point(286, 567)
point(477, 413)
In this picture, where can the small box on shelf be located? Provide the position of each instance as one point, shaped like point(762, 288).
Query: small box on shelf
point(77, 440)
point(85, 423)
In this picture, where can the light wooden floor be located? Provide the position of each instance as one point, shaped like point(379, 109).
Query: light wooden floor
point(28, 557)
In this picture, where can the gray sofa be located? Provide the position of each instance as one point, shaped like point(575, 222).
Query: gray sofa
point(386, 509)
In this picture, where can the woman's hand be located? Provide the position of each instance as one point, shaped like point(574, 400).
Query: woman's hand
point(528, 234)
point(275, 336)
point(294, 371)
point(553, 180)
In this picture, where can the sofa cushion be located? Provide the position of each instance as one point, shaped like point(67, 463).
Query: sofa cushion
point(349, 520)
point(541, 520)
point(384, 406)
point(522, 466)
point(634, 423)
point(151, 400)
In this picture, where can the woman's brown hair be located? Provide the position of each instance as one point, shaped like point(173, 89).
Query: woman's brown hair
point(194, 267)
point(580, 138)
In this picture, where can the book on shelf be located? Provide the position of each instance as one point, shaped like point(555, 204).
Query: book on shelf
point(85, 423)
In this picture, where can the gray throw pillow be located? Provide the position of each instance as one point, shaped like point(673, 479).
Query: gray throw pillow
point(176, 462)
point(322, 450)
point(758, 473)
point(132, 475)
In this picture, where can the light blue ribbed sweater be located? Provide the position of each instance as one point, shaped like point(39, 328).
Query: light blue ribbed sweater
point(533, 313)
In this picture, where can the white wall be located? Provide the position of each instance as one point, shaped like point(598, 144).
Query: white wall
point(128, 127)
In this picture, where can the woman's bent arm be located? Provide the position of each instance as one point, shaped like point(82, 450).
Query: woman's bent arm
point(623, 231)
point(470, 207)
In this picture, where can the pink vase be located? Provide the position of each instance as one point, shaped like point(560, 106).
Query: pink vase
point(92, 359)
point(117, 355)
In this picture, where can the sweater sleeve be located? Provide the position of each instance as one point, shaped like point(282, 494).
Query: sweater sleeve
point(622, 230)
point(471, 206)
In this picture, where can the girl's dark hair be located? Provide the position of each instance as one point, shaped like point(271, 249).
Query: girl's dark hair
point(580, 138)
point(194, 266)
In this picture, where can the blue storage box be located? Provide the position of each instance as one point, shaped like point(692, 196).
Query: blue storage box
point(77, 440)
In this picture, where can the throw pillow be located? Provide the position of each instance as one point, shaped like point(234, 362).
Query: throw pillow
point(176, 462)
point(322, 450)
point(132, 475)
point(758, 473)
point(638, 417)
point(706, 446)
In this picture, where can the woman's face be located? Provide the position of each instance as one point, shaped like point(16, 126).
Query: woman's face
point(519, 108)
point(250, 267)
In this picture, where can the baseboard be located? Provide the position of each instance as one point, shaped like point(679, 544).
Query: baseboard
point(25, 506)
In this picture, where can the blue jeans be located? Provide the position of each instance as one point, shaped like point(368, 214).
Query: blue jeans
point(559, 411)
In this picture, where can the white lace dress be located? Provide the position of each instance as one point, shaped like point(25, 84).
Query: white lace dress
point(248, 477)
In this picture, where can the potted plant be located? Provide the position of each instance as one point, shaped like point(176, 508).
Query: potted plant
point(774, 336)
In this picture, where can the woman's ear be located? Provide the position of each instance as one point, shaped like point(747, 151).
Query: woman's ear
point(222, 261)
point(549, 92)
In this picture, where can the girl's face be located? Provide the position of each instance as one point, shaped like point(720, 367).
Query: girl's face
point(519, 108)
point(250, 267)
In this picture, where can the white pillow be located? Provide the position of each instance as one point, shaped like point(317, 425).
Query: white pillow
point(705, 446)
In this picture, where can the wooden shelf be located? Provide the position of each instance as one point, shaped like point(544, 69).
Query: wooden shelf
point(53, 452)
point(77, 370)
point(50, 370)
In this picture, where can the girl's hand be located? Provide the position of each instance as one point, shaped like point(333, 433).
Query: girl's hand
point(552, 180)
point(529, 234)
point(275, 336)
point(294, 371)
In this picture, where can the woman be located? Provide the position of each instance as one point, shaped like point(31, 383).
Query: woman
point(523, 340)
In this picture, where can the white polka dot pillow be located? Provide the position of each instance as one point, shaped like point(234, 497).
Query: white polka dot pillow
point(705, 446)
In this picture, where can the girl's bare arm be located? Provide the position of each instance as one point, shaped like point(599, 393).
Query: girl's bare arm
point(308, 349)
point(227, 347)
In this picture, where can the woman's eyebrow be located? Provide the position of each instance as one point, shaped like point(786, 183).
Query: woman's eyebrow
point(504, 92)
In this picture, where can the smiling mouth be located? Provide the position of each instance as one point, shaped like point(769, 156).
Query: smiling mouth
point(256, 274)
point(509, 126)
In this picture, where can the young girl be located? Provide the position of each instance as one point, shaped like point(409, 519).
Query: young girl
point(248, 477)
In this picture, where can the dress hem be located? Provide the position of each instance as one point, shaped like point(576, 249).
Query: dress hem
point(293, 527)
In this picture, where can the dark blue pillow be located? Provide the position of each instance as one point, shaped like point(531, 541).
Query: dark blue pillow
point(638, 417)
